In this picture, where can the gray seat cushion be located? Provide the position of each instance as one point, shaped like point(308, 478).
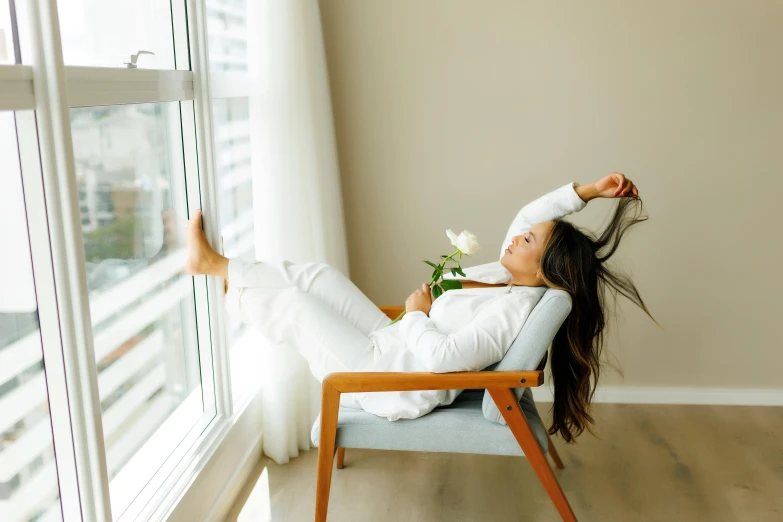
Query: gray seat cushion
point(531, 344)
point(457, 428)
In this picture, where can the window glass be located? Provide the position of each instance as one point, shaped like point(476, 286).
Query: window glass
point(227, 33)
point(231, 119)
point(233, 157)
point(130, 180)
point(105, 33)
point(28, 475)
point(6, 35)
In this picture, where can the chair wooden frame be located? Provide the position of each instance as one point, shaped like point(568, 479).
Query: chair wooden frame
point(500, 385)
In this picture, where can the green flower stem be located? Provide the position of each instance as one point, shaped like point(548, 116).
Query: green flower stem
point(441, 267)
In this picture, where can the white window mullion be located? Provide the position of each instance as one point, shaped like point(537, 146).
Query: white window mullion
point(90, 86)
point(197, 21)
point(67, 254)
point(35, 207)
point(201, 284)
point(208, 323)
point(180, 29)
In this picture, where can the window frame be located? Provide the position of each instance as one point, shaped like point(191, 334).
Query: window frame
point(46, 89)
point(48, 317)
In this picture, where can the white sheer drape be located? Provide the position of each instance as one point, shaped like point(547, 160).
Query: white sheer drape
point(296, 190)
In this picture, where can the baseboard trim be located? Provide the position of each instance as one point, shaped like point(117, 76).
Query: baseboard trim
point(662, 395)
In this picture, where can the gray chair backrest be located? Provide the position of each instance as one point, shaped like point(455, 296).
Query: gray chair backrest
point(531, 344)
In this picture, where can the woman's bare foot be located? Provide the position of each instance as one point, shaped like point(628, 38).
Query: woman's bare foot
point(201, 258)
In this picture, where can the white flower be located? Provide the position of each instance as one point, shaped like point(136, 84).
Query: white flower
point(452, 236)
point(466, 242)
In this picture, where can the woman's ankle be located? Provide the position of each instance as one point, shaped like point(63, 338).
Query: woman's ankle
point(220, 267)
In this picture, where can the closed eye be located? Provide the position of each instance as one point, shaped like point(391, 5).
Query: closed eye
point(526, 240)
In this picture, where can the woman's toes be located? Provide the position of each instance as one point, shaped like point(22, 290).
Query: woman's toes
point(194, 223)
point(198, 247)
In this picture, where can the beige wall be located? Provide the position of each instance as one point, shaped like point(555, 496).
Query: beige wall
point(453, 114)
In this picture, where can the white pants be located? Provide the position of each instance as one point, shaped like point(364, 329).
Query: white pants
point(311, 307)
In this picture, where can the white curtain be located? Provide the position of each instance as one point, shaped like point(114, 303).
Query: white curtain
point(296, 190)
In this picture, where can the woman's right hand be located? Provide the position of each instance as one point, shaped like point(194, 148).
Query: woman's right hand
point(615, 185)
point(420, 300)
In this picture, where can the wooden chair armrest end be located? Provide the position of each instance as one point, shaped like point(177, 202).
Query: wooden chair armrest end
point(392, 312)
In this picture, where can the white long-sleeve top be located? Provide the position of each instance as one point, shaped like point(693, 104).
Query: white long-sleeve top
point(467, 329)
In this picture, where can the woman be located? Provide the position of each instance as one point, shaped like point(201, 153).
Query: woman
point(317, 310)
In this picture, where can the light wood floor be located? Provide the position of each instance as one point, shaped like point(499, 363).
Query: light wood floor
point(652, 462)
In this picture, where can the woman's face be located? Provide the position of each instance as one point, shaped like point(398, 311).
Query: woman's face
point(523, 256)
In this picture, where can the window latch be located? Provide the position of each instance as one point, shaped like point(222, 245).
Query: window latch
point(132, 63)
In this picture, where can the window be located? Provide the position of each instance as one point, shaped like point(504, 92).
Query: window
point(7, 49)
point(231, 122)
point(105, 33)
point(28, 477)
point(236, 165)
point(227, 28)
point(135, 396)
point(131, 180)
point(234, 168)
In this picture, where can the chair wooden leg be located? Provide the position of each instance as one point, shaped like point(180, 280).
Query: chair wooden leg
point(340, 457)
point(330, 408)
point(552, 453)
point(507, 404)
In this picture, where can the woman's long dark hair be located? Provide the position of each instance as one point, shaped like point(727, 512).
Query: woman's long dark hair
point(576, 261)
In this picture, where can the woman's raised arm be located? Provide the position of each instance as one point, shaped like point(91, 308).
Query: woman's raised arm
point(567, 200)
point(556, 204)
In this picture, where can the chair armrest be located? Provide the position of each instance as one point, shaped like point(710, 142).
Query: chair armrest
point(351, 382)
point(392, 312)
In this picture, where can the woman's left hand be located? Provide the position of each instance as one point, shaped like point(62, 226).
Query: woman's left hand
point(420, 300)
point(615, 185)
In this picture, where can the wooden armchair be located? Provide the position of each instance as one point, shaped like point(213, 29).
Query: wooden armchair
point(508, 389)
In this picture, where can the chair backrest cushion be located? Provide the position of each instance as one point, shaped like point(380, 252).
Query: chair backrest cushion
point(531, 344)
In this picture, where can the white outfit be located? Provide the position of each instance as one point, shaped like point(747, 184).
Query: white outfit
point(316, 309)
